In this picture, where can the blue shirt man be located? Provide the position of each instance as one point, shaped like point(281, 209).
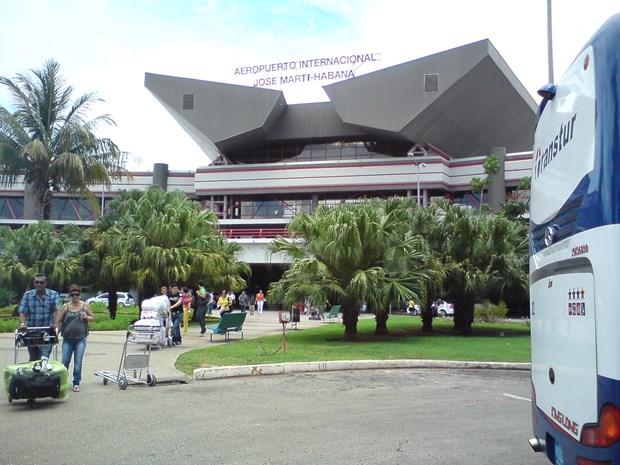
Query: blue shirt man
point(39, 307)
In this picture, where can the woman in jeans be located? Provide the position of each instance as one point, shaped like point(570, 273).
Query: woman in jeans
point(73, 323)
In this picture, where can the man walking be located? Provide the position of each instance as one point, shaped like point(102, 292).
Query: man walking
point(243, 301)
point(176, 310)
point(39, 308)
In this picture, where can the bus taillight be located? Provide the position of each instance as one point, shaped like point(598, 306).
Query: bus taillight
point(606, 432)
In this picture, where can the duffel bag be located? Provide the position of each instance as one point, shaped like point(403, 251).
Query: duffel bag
point(36, 380)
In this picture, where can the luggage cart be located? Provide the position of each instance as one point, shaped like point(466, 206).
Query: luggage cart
point(138, 363)
point(37, 379)
point(36, 336)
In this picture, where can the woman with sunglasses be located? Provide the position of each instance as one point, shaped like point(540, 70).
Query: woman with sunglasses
point(73, 323)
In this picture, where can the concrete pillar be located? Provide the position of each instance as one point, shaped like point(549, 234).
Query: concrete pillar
point(160, 175)
point(497, 188)
point(315, 202)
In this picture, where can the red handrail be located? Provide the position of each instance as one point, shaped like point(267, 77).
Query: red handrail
point(257, 233)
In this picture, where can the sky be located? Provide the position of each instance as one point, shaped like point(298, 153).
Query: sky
point(107, 46)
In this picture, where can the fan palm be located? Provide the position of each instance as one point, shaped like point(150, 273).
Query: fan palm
point(39, 248)
point(160, 237)
point(351, 253)
point(485, 257)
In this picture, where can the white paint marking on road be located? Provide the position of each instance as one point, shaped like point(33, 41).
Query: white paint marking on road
point(517, 397)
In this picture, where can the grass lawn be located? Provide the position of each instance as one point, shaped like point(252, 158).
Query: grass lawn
point(406, 341)
point(124, 317)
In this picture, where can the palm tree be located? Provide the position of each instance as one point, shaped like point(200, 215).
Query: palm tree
point(485, 257)
point(231, 274)
point(491, 167)
point(39, 248)
point(159, 237)
point(505, 251)
point(351, 253)
point(423, 222)
point(49, 142)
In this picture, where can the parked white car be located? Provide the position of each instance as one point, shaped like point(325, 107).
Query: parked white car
point(442, 308)
point(125, 299)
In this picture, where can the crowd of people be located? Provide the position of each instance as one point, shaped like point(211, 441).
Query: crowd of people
point(41, 307)
point(205, 302)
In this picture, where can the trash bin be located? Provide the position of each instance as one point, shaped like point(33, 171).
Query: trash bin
point(295, 315)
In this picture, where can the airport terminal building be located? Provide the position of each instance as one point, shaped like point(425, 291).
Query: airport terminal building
point(421, 128)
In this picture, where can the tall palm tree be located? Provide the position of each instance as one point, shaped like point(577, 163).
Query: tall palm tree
point(351, 253)
point(49, 141)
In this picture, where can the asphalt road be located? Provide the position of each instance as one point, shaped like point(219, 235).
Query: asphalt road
point(406, 416)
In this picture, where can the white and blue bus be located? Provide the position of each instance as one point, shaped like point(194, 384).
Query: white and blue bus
point(575, 259)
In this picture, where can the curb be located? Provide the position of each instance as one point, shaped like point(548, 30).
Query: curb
point(340, 365)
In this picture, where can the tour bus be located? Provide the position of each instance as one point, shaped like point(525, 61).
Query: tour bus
point(575, 259)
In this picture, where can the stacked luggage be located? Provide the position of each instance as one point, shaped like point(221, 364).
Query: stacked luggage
point(154, 326)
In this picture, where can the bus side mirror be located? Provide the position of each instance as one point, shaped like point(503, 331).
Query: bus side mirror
point(548, 91)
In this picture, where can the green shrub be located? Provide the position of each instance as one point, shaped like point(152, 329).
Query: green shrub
point(489, 312)
point(97, 307)
point(9, 325)
point(7, 297)
point(7, 311)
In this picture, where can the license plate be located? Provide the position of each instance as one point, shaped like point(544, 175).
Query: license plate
point(559, 457)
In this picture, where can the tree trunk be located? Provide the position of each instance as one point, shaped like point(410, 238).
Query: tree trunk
point(45, 203)
point(349, 320)
point(427, 319)
point(112, 302)
point(381, 318)
point(463, 315)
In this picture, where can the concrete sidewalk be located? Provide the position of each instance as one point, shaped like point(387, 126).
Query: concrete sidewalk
point(104, 348)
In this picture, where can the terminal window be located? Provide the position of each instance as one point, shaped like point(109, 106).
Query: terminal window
point(431, 82)
point(188, 102)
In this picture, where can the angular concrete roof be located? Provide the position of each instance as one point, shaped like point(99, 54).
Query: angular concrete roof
point(478, 103)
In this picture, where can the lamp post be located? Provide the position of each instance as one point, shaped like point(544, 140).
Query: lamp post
point(417, 164)
point(423, 165)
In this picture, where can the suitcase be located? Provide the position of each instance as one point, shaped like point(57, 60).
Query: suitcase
point(36, 380)
point(149, 331)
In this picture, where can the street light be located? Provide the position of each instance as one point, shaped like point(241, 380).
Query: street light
point(417, 164)
point(423, 165)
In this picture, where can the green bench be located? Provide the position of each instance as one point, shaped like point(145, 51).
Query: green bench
point(229, 322)
point(333, 313)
